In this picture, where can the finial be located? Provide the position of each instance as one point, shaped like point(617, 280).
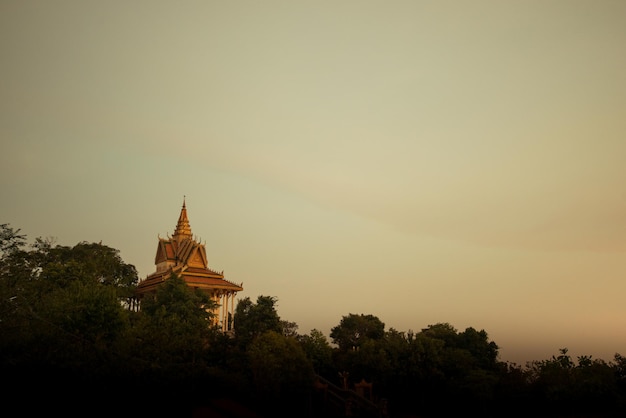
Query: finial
point(183, 229)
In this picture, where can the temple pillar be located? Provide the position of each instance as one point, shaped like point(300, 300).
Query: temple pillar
point(232, 310)
point(224, 306)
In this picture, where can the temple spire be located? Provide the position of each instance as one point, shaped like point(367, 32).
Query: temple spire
point(183, 229)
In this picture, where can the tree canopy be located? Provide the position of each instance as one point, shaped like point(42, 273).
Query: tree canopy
point(253, 319)
point(354, 330)
point(65, 317)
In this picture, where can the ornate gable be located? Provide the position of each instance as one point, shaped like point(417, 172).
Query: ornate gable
point(196, 259)
point(165, 255)
point(161, 253)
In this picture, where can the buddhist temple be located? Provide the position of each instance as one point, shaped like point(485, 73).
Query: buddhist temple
point(183, 255)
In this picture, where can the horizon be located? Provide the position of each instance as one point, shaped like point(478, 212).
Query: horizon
point(420, 162)
point(516, 354)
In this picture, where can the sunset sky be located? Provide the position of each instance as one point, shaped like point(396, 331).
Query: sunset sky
point(420, 161)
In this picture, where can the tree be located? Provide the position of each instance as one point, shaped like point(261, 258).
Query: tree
point(585, 386)
point(93, 262)
point(318, 350)
point(11, 241)
point(396, 346)
point(252, 320)
point(58, 322)
point(175, 324)
point(354, 330)
point(289, 329)
point(477, 343)
point(59, 305)
point(174, 299)
point(282, 374)
point(442, 331)
point(13, 272)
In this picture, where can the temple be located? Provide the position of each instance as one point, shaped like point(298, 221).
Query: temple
point(182, 255)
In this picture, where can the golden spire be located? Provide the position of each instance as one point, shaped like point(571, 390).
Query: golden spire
point(183, 229)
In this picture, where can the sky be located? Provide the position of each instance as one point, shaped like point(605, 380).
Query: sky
point(420, 161)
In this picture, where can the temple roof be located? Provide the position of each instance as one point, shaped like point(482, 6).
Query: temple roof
point(183, 255)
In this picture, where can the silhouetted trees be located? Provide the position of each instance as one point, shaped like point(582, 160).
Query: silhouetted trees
point(253, 319)
point(61, 305)
point(319, 351)
point(67, 334)
point(355, 330)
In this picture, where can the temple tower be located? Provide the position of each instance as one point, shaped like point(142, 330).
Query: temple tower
point(183, 255)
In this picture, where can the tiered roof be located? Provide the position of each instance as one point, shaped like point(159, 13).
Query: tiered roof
point(183, 255)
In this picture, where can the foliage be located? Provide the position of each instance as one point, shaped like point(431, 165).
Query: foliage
point(354, 330)
point(61, 305)
point(252, 320)
point(289, 329)
point(63, 318)
point(175, 324)
point(11, 241)
point(280, 367)
point(318, 350)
